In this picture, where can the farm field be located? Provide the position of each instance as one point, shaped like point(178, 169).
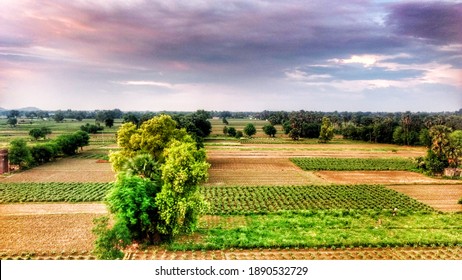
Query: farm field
point(253, 187)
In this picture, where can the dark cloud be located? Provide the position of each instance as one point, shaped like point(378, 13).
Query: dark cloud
point(439, 22)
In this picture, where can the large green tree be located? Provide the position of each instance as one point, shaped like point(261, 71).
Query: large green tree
point(156, 194)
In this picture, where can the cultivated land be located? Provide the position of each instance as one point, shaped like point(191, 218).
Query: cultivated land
point(62, 230)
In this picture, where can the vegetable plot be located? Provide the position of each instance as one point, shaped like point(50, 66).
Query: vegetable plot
point(53, 192)
point(342, 164)
point(267, 199)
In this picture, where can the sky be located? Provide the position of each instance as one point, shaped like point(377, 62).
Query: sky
point(235, 55)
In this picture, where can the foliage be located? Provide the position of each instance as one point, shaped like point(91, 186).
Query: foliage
point(179, 202)
point(232, 131)
point(11, 121)
point(37, 133)
point(340, 164)
point(132, 201)
point(53, 192)
point(43, 153)
point(327, 130)
point(19, 154)
point(333, 229)
point(294, 134)
point(91, 128)
point(455, 148)
point(435, 163)
point(250, 130)
point(270, 130)
point(151, 137)
point(58, 116)
point(239, 134)
point(69, 143)
point(160, 167)
point(110, 241)
point(225, 130)
point(241, 200)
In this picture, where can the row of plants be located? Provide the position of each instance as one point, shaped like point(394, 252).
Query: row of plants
point(235, 200)
point(53, 192)
point(343, 164)
point(240, 200)
point(331, 229)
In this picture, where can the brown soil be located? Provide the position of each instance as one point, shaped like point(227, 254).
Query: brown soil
point(444, 253)
point(52, 232)
point(313, 150)
point(65, 170)
point(441, 197)
point(379, 177)
point(258, 171)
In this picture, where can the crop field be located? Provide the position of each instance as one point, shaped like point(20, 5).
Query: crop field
point(342, 164)
point(53, 192)
point(262, 205)
point(261, 200)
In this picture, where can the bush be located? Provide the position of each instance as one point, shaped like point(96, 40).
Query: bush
point(232, 131)
point(434, 163)
point(91, 128)
point(44, 152)
point(132, 201)
point(69, 144)
point(19, 154)
point(110, 241)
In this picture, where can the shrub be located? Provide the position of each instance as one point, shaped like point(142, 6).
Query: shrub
point(44, 152)
point(434, 163)
point(19, 154)
point(110, 241)
point(232, 131)
point(91, 128)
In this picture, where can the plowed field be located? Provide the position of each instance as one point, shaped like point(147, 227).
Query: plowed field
point(66, 170)
point(440, 197)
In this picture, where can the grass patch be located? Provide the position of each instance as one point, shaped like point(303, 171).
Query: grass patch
point(350, 164)
point(53, 192)
point(320, 229)
point(240, 200)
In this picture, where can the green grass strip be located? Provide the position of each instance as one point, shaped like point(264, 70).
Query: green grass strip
point(330, 229)
point(347, 164)
point(53, 192)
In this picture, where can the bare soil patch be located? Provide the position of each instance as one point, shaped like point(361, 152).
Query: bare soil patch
point(313, 150)
point(440, 197)
point(65, 170)
point(51, 233)
point(258, 171)
point(379, 177)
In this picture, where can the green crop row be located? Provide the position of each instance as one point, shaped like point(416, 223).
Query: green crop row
point(269, 199)
point(343, 164)
point(53, 192)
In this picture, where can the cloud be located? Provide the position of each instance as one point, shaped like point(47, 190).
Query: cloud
point(270, 53)
point(146, 83)
point(438, 22)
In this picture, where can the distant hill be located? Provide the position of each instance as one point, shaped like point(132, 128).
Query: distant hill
point(25, 109)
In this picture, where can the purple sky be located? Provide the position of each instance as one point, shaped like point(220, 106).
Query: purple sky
point(236, 55)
